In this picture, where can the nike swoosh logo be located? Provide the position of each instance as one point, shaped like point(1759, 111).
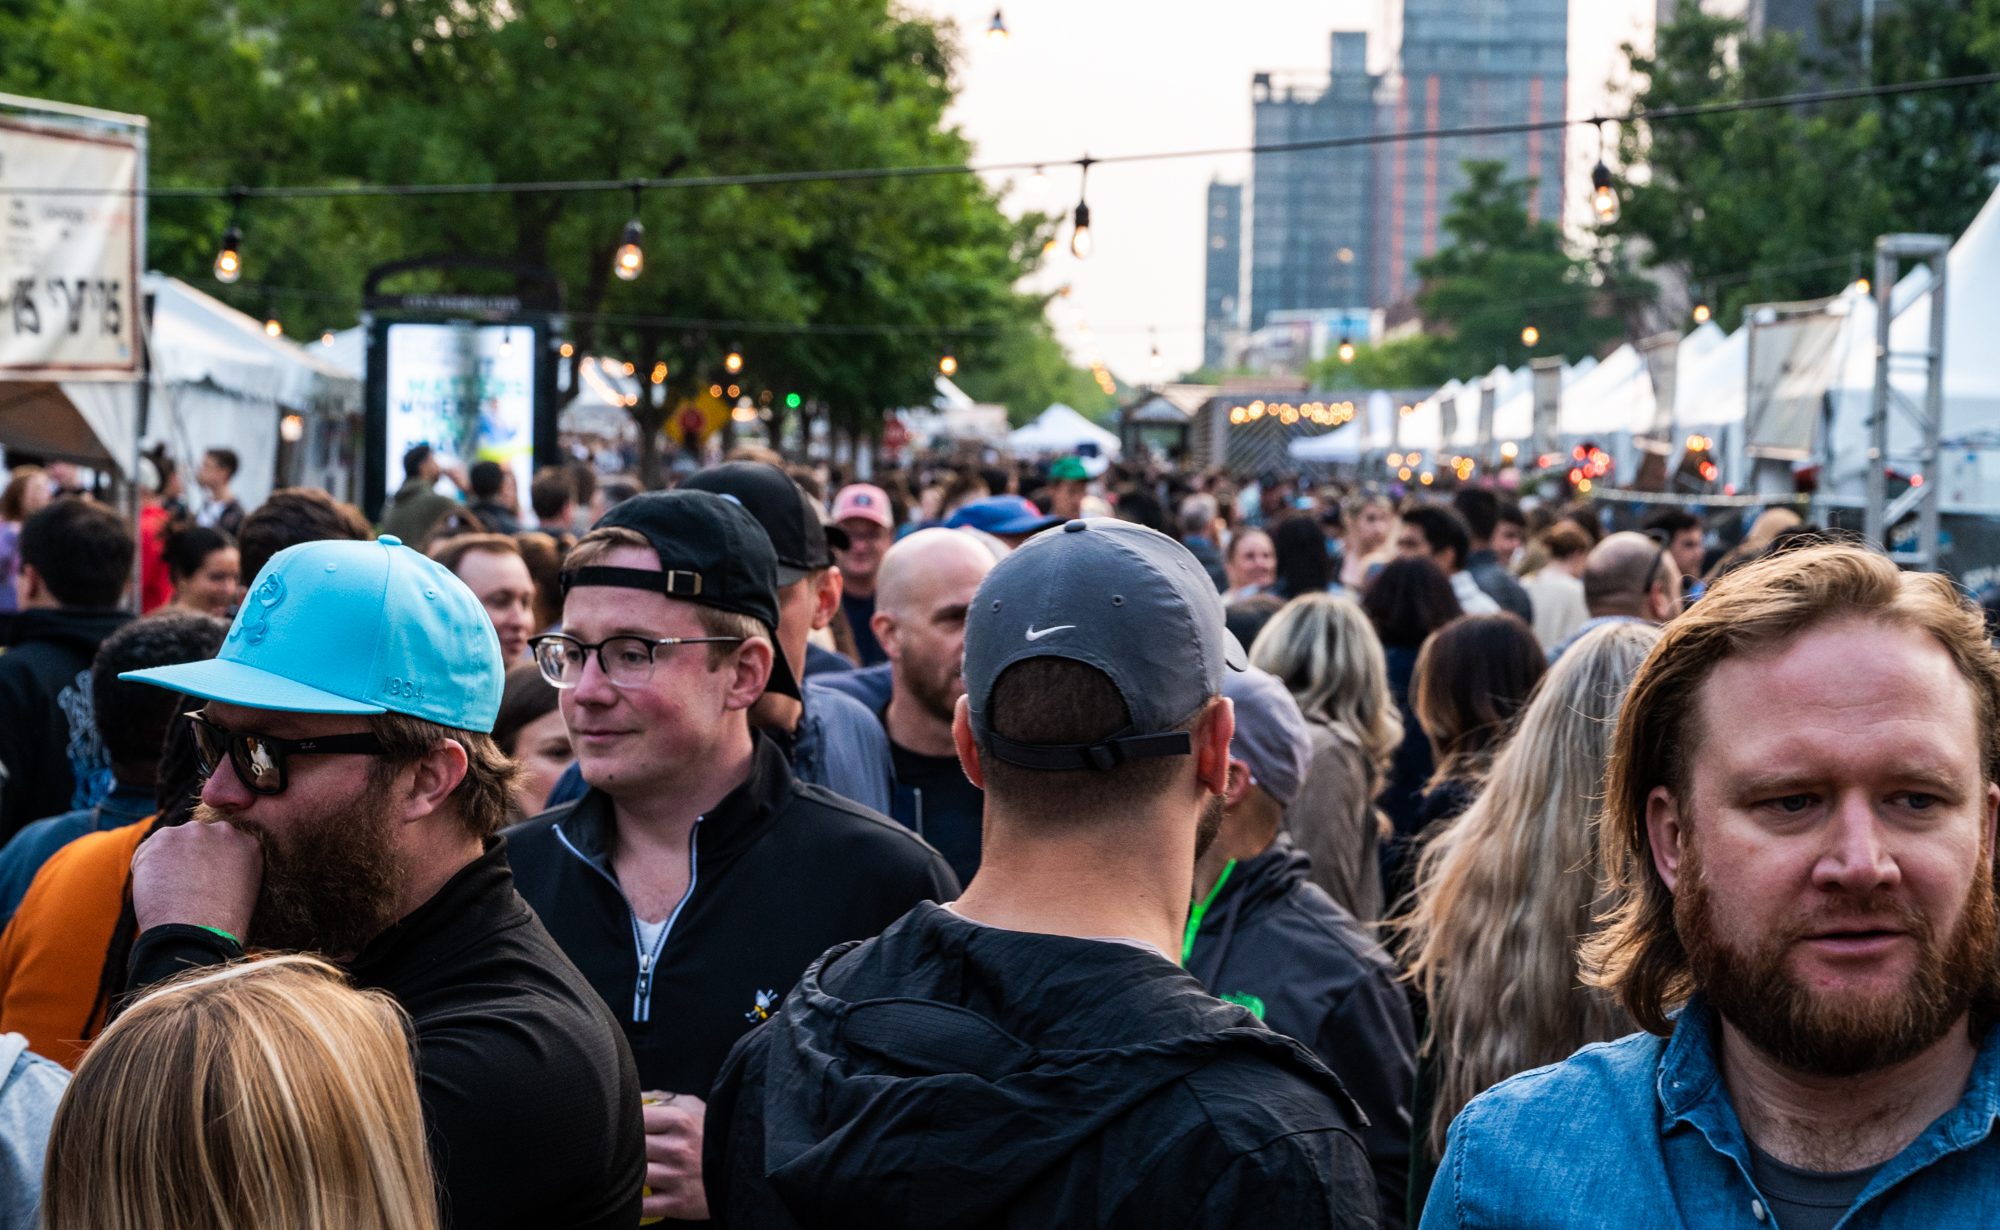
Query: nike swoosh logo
point(1036, 636)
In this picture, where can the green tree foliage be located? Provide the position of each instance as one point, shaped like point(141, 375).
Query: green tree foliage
point(1418, 361)
point(872, 279)
point(1027, 369)
point(1770, 205)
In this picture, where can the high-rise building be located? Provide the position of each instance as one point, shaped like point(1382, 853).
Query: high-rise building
point(1223, 291)
point(1312, 213)
point(1465, 63)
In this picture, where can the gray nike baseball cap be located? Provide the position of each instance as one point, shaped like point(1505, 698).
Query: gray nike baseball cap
point(1127, 600)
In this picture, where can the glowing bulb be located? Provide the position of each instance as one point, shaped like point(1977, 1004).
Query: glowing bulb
point(565, 350)
point(272, 328)
point(1346, 351)
point(1509, 451)
point(736, 390)
point(948, 365)
point(659, 373)
point(1862, 285)
point(1701, 313)
point(1081, 243)
point(326, 338)
point(229, 261)
point(733, 362)
point(631, 258)
point(996, 30)
point(1530, 336)
point(1603, 194)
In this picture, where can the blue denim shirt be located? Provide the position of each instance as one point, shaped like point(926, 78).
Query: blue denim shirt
point(1640, 1132)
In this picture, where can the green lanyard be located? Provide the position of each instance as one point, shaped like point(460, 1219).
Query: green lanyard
point(1201, 910)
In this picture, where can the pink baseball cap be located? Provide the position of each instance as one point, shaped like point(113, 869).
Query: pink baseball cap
point(870, 503)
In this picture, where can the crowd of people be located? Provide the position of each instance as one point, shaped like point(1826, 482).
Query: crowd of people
point(983, 843)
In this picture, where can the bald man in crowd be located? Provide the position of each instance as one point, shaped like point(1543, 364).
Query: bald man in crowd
point(1627, 578)
point(922, 591)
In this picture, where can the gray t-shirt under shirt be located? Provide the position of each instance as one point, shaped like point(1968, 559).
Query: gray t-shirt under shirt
point(1806, 1199)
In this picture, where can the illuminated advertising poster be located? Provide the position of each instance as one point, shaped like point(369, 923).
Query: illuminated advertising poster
point(468, 391)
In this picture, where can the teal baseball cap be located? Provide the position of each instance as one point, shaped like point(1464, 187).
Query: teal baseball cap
point(353, 627)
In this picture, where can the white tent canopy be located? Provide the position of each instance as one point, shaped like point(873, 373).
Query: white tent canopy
point(1060, 429)
point(1514, 416)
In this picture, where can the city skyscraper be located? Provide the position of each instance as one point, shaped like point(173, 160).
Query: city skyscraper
point(1465, 63)
point(1312, 213)
point(1223, 290)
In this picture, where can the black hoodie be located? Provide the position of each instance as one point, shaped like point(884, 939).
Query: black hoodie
point(1272, 940)
point(949, 1074)
point(49, 749)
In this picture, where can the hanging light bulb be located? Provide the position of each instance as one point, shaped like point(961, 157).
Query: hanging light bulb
point(229, 261)
point(271, 327)
point(733, 361)
point(948, 365)
point(1530, 335)
point(326, 337)
point(996, 30)
point(1701, 313)
point(631, 258)
point(1081, 242)
point(1346, 351)
point(1603, 195)
point(1861, 284)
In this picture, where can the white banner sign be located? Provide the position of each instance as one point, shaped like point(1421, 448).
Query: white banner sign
point(69, 264)
point(467, 391)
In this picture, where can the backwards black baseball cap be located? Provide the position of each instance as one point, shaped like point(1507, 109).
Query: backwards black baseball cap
point(785, 511)
point(712, 552)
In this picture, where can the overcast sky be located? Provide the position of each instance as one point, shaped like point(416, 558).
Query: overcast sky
point(1131, 76)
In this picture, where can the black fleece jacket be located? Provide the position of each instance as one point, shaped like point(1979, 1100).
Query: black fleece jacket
point(531, 1104)
point(954, 1075)
point(1272, 940)
point(48, 734)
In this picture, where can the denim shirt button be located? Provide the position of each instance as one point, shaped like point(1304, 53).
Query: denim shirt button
point(1757, 1210)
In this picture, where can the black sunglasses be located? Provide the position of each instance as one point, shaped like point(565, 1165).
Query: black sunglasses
point(259, 760)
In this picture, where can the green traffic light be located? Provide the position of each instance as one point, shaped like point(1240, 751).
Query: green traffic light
point(791, 401)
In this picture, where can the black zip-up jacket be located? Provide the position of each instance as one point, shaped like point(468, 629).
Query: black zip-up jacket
point(531, 1104)
point(953, 1075)
point(48, 734)
point(780, 871)
point(1272, 940)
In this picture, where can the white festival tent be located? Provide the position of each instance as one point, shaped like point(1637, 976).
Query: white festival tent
point(1609, 405)
point(1514, 416)
point(217, 380)
point(1422, 429)
point(1059, 429)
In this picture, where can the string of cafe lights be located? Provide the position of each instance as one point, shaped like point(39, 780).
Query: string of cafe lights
point(629, 259)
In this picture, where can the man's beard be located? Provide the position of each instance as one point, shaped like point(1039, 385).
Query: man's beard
point(1209, 825)
point(938, 696)
point(331, 885)
point(1835, 1034)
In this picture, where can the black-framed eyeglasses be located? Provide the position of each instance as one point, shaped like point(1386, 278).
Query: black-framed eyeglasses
point(1652, 573)
point(627, 661)
point(259, 760)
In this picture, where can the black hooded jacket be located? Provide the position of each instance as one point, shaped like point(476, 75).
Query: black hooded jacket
point(48, 734)
point(949, 1075)
point(1272, 940)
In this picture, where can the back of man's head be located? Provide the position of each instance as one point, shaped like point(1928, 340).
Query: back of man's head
point(1197, 515)
point(1271, 735)
point(486, 478)
point(226, 460)
point(1443, 530)
point(132, 718)
point(1621, 571)
point(291, 516)
point(552, 493)
point(415, 460)
point(1092, 656)
point(1670, 521)
point(81, 550)
point(1481, 510)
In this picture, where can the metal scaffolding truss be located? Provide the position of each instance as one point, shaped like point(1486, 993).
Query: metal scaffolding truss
point(1926, 414)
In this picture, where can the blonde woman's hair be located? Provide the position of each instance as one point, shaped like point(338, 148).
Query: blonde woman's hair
point(1326, 652)
point(1508, 889)
point(264, 1093)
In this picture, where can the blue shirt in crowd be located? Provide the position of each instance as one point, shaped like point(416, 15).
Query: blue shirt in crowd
point(1641, 1132)
point(36, 842)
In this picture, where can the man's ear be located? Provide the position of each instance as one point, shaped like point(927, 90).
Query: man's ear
point(1664, 834)
point(968, 750)
point(826, 596)
point(1212, 733)
point(751, 673)
point(436, 776)
point(1240, 784)
point(883, 624)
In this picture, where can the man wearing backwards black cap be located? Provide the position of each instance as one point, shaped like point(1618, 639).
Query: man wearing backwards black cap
point(831, 739)
point(698, 876)
point(1032, 1055)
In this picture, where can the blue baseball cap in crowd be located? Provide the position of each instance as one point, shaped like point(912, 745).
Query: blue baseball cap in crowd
point(1111, 594)
point(354, 627)
point(1271, 735)
point(1001, 514)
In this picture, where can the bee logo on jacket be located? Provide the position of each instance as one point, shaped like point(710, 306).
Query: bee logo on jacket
point(767, 1002)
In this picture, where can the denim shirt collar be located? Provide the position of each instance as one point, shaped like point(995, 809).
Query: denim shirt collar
point(1691, 1091)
